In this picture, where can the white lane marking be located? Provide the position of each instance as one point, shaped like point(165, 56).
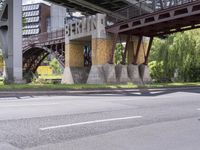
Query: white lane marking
point(198, 109)
point(26, 105)
point(89, 122)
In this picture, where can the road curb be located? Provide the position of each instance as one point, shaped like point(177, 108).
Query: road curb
point(90, 91)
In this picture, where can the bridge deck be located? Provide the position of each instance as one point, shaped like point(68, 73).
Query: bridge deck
point(169, 20)
point(37, 48)
point(84, 6)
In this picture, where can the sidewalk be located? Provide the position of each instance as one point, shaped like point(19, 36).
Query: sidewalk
point(120, 91)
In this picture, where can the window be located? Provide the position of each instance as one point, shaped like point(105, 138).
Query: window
point(30, 7)
point(32, 19)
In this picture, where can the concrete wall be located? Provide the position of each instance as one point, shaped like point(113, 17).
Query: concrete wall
point(58, 14)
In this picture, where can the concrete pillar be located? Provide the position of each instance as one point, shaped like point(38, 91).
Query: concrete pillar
point(101, 43)
point(101, 50)
point(122, 74)
point(11, 37)
point(74, 54)
point(74, 58)
point(101, 72)
point(133, 70)
point(145, 74)
point(93, 28)
point(134, 74)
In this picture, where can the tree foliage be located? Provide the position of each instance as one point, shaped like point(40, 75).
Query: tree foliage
point(118, 53)
point(54, 64)
point(179, 53)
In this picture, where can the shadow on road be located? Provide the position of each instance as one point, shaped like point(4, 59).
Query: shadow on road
point(157, 92)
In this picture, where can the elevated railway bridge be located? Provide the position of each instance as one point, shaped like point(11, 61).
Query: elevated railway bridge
point(37, 48)
point(127, 21)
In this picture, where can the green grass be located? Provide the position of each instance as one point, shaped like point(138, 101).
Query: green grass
point(62, 86)
point(174, 84)
point(86, 86)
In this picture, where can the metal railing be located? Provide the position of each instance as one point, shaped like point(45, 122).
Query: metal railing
point(145, 7)
point(44, 37)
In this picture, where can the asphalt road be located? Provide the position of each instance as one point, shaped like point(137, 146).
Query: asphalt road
point(159, 120)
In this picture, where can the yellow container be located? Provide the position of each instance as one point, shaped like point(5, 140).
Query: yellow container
point(44, 70)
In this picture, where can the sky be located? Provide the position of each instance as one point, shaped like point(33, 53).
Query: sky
point(33, 1)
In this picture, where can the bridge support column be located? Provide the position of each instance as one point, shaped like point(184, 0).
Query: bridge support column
point(101, 72)
point(101, 52)
point(137, 50)
point(11, 37)
point(74, 58)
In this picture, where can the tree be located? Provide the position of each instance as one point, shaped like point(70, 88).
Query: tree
point(118, 53)
point(54, 64)
point(179, 53)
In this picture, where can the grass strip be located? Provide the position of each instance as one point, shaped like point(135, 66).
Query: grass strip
point(88, 86)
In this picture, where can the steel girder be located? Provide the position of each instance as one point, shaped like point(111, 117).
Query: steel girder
point(33, 57)
point(166, 21)
point(37, 48)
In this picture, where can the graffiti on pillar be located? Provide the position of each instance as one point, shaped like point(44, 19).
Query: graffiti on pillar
point(87, 56)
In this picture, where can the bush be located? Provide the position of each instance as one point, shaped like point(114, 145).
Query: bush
point(54, 64)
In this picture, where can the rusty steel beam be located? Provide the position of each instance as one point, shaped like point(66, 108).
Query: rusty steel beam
point(42, 43)
point(148, 50)
point(125, 49)
point(170, 27)
point(171, 14)
point(30, 61)
point(39, 61)
point(135, 56)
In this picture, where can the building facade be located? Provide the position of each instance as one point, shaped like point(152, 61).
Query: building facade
point(35, 19)
point(57, 19)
